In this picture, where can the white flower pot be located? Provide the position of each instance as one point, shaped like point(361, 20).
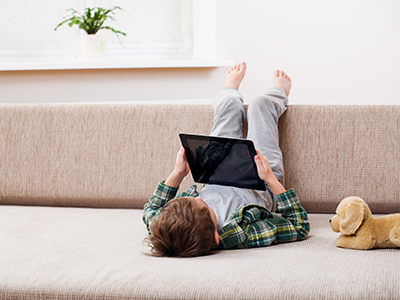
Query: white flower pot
point(92, 46)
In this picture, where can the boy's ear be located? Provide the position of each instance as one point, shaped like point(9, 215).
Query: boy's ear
point(216, 237)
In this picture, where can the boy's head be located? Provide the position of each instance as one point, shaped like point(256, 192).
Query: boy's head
point(185, 227)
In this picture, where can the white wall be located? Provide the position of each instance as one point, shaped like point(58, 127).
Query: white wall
point(337, 52)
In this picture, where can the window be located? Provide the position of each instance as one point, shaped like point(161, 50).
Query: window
point(156, 29)
point(153, 27)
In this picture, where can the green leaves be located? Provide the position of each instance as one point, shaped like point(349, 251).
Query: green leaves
point(92, 20)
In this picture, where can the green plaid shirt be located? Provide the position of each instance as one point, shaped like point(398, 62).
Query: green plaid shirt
point(248, 226)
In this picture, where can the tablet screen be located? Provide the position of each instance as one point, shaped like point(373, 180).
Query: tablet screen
point(220, 160)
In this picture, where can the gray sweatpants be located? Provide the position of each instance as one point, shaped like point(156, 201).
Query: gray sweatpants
point(262, 117)
point(263, 114)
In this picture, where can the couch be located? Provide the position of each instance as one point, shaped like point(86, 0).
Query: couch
point(74, 179)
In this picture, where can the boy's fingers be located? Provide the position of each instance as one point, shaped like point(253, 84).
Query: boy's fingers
point(258, 161)
point(181, 152)
point(260, 157)
point(264, 159)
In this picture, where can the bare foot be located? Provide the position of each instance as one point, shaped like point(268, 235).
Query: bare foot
point(282, 81)
point(235, 75)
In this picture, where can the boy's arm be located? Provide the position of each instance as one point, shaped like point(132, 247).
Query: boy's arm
point(293, 224)
point(180, 171)
point(266, 174)
point(166, 190)
point(161, 196)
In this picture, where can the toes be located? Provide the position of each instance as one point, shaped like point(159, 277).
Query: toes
point(284, 75)
point(233, 68)
point(242, 66)
point(238, 67)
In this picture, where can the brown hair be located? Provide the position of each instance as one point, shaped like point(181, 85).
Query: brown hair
point(182, 230)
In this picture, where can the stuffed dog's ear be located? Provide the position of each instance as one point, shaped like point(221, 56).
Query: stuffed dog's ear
point(354, 216)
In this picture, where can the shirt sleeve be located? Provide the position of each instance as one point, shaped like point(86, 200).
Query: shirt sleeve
point(255, 226)
point(161, 196)
point(293, 224)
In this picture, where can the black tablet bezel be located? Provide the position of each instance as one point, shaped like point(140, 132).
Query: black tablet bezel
point(259, 184)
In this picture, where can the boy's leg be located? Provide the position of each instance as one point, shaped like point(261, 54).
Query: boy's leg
point(263, 114)
point(228, 105)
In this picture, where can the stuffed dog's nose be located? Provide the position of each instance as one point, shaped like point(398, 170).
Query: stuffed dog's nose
point(330, 220)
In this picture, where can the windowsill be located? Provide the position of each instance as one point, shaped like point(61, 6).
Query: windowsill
point(114, 64)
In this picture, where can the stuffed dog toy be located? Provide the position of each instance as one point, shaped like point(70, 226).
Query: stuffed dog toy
point(360, 230)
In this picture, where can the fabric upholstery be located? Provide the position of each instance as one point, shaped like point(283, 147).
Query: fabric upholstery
point(333, 152)
point(100, 161)
point(91, 155)
point(114, 155)
point(83, 253)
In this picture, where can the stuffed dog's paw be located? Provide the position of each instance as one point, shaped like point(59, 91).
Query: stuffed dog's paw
point(355, 242)
point(395, 235)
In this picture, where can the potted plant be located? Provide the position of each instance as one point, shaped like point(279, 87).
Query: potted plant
point(92, 45)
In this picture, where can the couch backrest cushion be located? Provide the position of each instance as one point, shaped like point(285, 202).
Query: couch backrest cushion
point(91, 155)
point(333, 152)
point(114, 155)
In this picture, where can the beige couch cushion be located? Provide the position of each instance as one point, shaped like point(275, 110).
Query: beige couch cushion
point(82, 253)
point(114, 155)
point(91, 155)
point(333, 152)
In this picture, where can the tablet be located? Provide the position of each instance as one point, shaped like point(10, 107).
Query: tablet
point(220, 160)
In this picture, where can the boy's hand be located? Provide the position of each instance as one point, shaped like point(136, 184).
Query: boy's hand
point(265, 172)
point(263, 167)
point(181, 164)
point(180, 171)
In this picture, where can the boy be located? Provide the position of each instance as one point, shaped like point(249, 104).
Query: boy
point(225, 217)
